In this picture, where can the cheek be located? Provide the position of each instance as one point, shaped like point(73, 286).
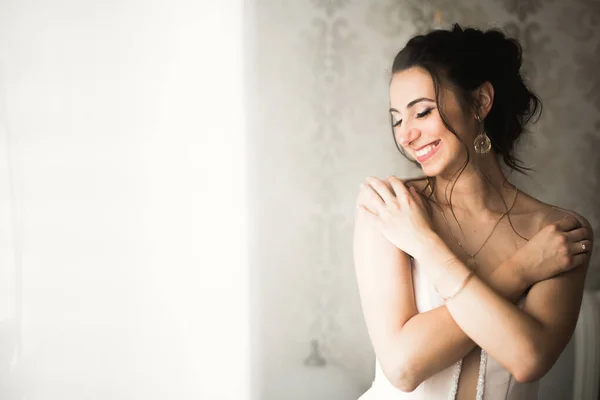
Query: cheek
point(452, 144)
point(445, 134)
point(434, 126)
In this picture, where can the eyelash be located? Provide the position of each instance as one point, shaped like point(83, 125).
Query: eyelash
point(419, 115)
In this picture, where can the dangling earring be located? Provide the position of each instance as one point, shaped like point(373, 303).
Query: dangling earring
point(482, 142)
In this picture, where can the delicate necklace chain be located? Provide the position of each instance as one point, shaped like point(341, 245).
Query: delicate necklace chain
point(471, 261)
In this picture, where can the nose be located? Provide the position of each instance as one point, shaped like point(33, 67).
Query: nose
point(405, 137)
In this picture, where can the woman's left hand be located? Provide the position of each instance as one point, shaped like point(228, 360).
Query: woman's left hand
point(398, 212)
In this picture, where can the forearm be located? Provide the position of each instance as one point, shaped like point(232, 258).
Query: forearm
point(483, 314)
point(431, 352)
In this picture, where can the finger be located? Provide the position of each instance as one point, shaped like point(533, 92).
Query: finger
point(577, 260)
point(578, 234)
point(365, 213)
point(366, 193)
point(584, 246)
point(387, 183)
point(364, 210)
point(364, 207)
point(371, 199)
point(567, 223)
point(400, 189)
point(417, 196)
point(382, 189)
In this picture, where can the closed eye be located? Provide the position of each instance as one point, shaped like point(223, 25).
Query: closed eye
point(419, 116)
point(424, 113)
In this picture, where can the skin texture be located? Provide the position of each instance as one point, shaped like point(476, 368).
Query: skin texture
point(536, 248)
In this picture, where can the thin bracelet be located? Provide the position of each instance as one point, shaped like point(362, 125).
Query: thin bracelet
point(458, 288)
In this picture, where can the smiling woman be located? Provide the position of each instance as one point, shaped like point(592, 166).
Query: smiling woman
point(470, 287)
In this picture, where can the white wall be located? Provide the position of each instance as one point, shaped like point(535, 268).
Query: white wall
point(122, 258)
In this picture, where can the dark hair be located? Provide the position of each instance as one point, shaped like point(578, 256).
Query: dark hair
point(465, 59)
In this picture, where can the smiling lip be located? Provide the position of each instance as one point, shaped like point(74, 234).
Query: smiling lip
point(430, 154)
point(422, 147)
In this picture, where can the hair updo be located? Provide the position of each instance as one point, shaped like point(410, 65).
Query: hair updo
point(463, 60)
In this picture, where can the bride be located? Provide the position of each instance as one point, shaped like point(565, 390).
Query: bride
point(470, 287)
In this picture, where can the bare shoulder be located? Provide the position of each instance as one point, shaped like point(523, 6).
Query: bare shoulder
point(541, 214)
point(419, 183)
point(557, 213)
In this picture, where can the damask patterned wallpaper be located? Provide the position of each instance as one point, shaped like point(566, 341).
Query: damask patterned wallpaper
point(321, 126)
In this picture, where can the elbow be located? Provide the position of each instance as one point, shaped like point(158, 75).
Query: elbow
point(529, 375)
point(403, 377)
point(405, 384)
point(532, 366)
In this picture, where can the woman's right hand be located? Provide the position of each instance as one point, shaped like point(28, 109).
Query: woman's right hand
point(556, 248)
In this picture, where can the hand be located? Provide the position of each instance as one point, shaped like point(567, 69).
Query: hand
point(555, 249)
point(399, 213)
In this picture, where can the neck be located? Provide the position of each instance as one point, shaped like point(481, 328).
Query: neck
point(480, 190)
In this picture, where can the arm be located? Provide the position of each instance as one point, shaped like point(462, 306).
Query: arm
point(408, 345)
point(526, 342)
point(427, 352)
point(385, 285)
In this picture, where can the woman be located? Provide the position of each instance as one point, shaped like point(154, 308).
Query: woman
point(470, 288)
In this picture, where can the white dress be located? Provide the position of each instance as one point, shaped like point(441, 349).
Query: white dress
point(494, 383)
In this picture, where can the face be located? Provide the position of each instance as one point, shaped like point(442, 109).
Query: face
point(418, 127)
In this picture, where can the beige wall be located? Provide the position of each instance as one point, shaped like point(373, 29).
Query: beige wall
point(319, 120)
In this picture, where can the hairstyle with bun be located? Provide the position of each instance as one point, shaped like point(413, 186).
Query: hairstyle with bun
point(463, 59)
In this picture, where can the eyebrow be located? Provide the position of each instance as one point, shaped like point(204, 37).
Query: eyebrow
point(415, 101)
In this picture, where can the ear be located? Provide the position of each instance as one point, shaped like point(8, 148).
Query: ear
point(484, 98)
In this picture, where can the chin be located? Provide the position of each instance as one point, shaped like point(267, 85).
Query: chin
point(434, 168)
point(431, 172)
